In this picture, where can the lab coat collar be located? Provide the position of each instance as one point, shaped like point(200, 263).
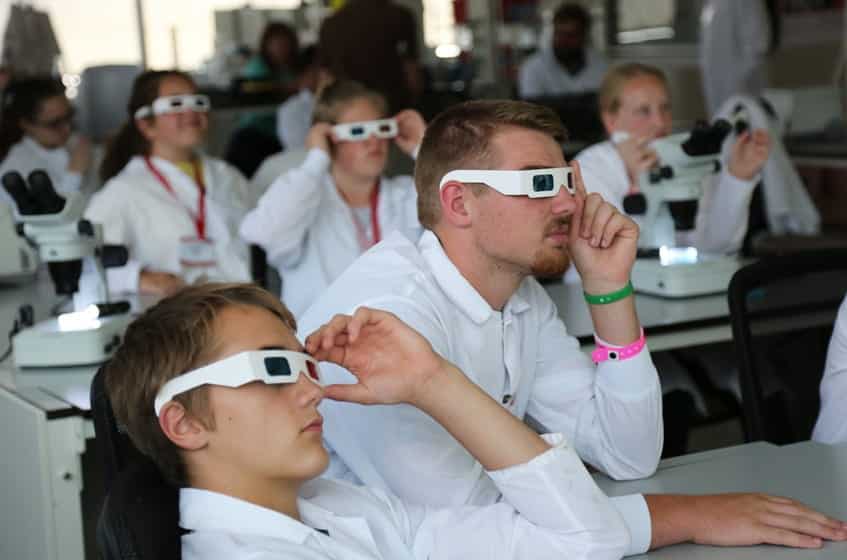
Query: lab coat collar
point(203, 510)
point(458, 289)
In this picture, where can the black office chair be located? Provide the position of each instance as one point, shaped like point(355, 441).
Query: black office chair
point(782, 312)
point(140, 515)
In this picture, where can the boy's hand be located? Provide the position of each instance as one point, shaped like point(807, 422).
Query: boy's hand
point(392, 362)
point(749, 154)
point(320, 137)
point(602, 241)
point(411, 127)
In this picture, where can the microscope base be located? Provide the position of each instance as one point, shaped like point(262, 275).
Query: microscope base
point(46, 344)
point(709, 275)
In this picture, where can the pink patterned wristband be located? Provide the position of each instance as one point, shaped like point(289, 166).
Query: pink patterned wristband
point(602, 352)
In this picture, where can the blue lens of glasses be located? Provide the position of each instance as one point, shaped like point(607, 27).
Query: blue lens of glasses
point(357, 130)
point(277, 367)
point(542, 183)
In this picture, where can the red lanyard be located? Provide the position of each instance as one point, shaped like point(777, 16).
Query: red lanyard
point(200, 219)
point(364, 242)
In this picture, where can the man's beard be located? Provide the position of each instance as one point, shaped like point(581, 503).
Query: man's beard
point(573, 59)
point(552, 264)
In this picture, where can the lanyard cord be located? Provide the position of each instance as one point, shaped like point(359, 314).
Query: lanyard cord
point(200, 219)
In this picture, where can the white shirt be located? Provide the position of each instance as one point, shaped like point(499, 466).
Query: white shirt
point(551, 509)
point(722, 210)
point(831, 426)
point(542, 75)
point(28, 155)
point(294, 119)
point(522, 357)
point(136, 210)
point(309, 233)
point(734, 40)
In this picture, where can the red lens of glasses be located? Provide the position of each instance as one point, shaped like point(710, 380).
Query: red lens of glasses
point(313, 370)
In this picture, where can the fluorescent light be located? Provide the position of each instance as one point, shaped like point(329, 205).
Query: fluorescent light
point(645, 34)
point(447, 51)
point(80, 320)
point(677, 255)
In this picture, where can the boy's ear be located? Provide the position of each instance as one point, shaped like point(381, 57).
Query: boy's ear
point(454, 204)
point(183, 429)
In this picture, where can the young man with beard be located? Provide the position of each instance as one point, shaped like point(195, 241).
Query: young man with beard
point(568, 65)
point(493, 194)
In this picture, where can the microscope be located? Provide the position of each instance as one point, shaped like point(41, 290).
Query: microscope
point(667, 208)
point(18, 260)
point(76, 259)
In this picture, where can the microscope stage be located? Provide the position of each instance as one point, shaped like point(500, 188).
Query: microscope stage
point(47, 344)
point(708, 275)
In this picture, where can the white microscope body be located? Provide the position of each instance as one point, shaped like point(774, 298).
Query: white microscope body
point(671, 192)
point(74, 253)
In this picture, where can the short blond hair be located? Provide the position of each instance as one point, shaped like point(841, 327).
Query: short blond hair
point(174, 336)
point(615, 79)
point(460, 138)
point(336, 96)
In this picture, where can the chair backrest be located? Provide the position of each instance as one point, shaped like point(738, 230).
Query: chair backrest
point(140, 515)
point(102, 100)
point(782, 311)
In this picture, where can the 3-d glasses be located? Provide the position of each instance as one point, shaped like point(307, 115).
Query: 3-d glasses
point(359, 131)
point(175, 104)
point(268, 366)
point(534, 183)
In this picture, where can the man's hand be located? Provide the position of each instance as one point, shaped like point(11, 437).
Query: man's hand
point(159, 283)
point(740, 520)
point(392, 362)
point(80, 155)
point(602, 241)
point(749, 154)
point(411, 127)
point(320, 137)
point(637, 157)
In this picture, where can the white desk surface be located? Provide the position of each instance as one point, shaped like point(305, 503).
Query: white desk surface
point(668, 323)
point(813, 473)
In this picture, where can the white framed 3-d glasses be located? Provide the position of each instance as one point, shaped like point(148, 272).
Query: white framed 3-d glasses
point(534, 183)
point(175, 104)
point(268, 366)
point(360, 131)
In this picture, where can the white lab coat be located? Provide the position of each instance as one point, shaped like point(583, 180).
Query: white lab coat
point(722, 211)
point(294, 120)
point(308, 232)
point(831, 426)
point(542, 75)
point(137, 211)
point(734, 39)
point(28, 155)
point(788, 206)
point(551, 508)
point(521, 356)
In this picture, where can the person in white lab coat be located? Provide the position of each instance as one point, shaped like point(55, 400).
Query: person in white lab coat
point(37, 134)
point(635, 108)
point(246, 454)
point(831, 426)
point(568, 65)
point(734, 40)
point(316, 219)
point(176, 209)
point(468, 287)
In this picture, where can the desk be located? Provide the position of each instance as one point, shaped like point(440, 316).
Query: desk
point(668, 323)
point(47, 428)
point(813, 473)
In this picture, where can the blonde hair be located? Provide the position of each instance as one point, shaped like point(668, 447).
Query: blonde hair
point(336, 96)
point(460, 137)
point(615, 79)
point(174, 336)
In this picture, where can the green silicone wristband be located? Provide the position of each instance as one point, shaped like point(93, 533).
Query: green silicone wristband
point(611, 297)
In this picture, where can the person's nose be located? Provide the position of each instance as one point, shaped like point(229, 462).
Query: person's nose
point(310, 392)
point(564, 202)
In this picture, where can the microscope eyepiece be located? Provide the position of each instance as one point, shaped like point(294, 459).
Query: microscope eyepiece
point(15, 185)
point(41, 189)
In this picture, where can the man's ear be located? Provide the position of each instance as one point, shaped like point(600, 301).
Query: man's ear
point(183, 429)
point(455, 204)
